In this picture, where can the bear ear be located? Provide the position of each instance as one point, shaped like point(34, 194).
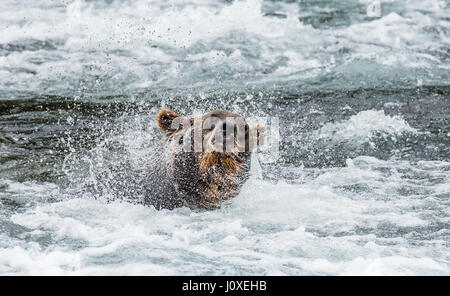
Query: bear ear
point(164, 120)
point(257, 136)
point(260, 134)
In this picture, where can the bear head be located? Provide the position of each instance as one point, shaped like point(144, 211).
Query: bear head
point(209, 154)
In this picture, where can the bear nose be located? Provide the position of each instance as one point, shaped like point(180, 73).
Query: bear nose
point(228, 130)
point(224, 128)
point(228, 134)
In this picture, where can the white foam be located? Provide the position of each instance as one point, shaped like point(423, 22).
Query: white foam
point(136, 44)
point(391, 265)
point(362, 126)
point(321, 224)
point(281, 228)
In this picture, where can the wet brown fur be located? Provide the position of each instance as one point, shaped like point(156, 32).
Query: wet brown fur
point(229, 164)
point(205, 178)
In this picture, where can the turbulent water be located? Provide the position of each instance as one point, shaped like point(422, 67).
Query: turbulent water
point(362, 182)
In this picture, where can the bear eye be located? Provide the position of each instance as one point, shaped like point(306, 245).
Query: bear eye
point(180, 141)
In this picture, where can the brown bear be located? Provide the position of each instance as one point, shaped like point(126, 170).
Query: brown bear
point(202, 160)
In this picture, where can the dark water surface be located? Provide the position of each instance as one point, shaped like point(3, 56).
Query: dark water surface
point(362, 182)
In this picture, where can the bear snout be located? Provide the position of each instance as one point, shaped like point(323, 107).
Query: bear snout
point(227, 137)
point(210, 157)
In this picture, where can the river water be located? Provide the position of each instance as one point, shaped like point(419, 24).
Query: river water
point(362, 182)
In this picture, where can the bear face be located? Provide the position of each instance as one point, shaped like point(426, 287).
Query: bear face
point(210, 154)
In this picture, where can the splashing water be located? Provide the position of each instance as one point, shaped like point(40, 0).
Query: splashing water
point(362, 182)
